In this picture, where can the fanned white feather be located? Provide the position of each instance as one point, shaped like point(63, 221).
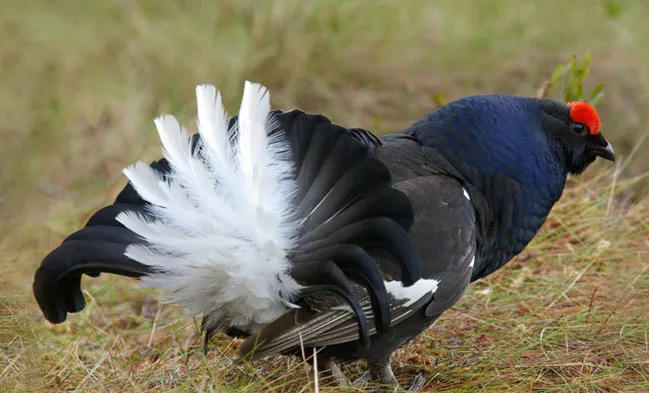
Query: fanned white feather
point(221, 221)
point(212, 119)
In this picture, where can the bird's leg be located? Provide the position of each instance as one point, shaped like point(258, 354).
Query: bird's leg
point(381, 372)
point(338, 375)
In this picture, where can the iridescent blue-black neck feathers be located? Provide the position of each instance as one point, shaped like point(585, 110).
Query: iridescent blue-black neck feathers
point(517, 152)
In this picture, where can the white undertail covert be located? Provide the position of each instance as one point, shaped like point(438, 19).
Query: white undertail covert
point(223, 220)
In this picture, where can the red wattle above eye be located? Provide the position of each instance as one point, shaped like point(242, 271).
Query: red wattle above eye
point(582, 112)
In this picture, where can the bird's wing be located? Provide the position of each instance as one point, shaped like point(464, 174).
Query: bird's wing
point(444, 233)
point(309, 328)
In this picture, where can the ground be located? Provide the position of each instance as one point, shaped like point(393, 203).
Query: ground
point(81, 82)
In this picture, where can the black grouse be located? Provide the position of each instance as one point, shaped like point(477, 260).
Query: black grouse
point(287, 230)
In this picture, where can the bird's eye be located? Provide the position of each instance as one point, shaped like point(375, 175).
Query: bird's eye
point(579, 128)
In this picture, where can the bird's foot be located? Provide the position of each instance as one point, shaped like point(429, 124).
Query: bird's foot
point(337, 375)
point(417, 383)
point(362, 379)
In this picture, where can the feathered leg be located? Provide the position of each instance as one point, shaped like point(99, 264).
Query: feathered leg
point(381, 373)
point(336, 373)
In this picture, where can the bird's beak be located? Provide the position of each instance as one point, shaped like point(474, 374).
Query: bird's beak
point(605, 152)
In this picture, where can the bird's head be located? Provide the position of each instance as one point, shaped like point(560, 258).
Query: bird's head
point(525, 139)
point(575, 130)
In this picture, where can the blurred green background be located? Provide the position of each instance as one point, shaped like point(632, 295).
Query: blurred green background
point(81, 81)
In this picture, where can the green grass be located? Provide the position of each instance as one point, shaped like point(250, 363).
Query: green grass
point(81, 81)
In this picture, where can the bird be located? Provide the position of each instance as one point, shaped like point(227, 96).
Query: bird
point(288, 231)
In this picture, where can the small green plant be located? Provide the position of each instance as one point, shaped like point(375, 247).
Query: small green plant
point(614, 8)
point(567, 82)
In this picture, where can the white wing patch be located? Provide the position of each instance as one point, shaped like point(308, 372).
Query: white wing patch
point(223, 222)
point(466, 194)
point(412, 293)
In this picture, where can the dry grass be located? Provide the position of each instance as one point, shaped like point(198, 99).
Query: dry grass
point(81, 82)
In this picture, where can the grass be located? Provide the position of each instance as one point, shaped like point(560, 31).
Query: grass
point(81, 81)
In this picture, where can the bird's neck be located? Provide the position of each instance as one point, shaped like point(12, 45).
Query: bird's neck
point(516, 183)
point(518, 196)
point(510, 216)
